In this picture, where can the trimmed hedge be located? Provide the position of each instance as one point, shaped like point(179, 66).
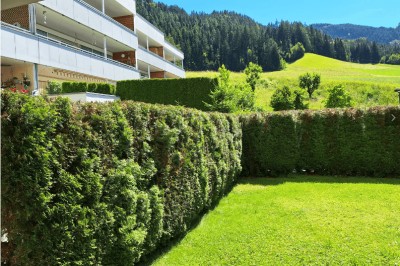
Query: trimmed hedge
point(331, 142)
point(71, 87)
point(190, 92)
point(106, 184)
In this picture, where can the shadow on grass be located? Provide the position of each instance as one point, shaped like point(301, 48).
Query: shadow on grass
point(162, 250)
point(273, 181)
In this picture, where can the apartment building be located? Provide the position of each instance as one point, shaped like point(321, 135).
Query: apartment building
point(81, 40)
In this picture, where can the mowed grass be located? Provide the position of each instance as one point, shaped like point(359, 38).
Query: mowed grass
point(369, 85)
point(298, 221)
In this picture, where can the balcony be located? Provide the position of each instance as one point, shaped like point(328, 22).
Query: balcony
point(22, 45)
point(169, 47)
point(159, 62)
point(147, 29)
point(86, 14)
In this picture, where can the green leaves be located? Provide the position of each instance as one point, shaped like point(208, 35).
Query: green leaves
point(310, 82)
point(332, 142)
point(229, 98)
point(106, 184)
point(190, 92)
point(338, 98)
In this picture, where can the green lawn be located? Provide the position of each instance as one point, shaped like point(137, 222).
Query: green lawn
point(368, 84)
point(298, 221)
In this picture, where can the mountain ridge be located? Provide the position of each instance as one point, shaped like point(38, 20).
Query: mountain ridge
point(348, 31)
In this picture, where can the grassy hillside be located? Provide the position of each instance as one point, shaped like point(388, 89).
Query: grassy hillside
point(368, 84)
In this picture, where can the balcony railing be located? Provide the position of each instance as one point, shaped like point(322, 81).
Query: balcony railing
point(160, 57)
point(85, 14)
point(38, 41)
point(159, 62)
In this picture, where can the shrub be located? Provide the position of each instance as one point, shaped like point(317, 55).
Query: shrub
point(71, 87)
point(252, 72)
point(338, 98)
point(103, 88)
point(191, 92)
point(282, 99)
point(328, 142)
point(229, 98)
point(54, 87)
point(298, 102)
point(106, 184)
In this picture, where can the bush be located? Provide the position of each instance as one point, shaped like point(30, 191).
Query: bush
point(338, 98)
point(103, 88)
point(106, 184)
point(54, 87)
point(71, 87)
point(328, 142)
point(229, 98)
point(282, 99)
point(253, 72)
point(191, 92)
point(298, 102)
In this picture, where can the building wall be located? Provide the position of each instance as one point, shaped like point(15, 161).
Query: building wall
point(157, 50)
point(129, 59)
point(157, 75)
point(127, 21)
point(17, 14)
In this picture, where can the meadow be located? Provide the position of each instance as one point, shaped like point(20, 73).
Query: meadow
point(298, 220)
point(368, 85)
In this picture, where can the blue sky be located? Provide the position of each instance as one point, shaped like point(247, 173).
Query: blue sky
point(362, 12)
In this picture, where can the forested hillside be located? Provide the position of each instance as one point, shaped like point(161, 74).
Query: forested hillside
point(353, 32)
point(210, 40)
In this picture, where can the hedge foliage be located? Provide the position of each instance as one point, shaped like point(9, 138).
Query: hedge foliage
point(106, 184)
point(332, 142)
point(190, 92)
point(71, 87)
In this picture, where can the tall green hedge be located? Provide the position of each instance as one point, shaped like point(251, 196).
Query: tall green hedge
point(332, 142)
point(190, 92)
point(106, 184)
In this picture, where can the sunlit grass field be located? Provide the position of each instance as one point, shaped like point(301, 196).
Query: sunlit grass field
point(298, 221)
point(368, 84)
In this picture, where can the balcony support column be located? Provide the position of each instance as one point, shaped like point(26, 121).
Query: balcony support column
point(32, 18)
point(148, 71)
point(103, 7)
point(35, 79)
point(147, 43)
point(105, 46)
